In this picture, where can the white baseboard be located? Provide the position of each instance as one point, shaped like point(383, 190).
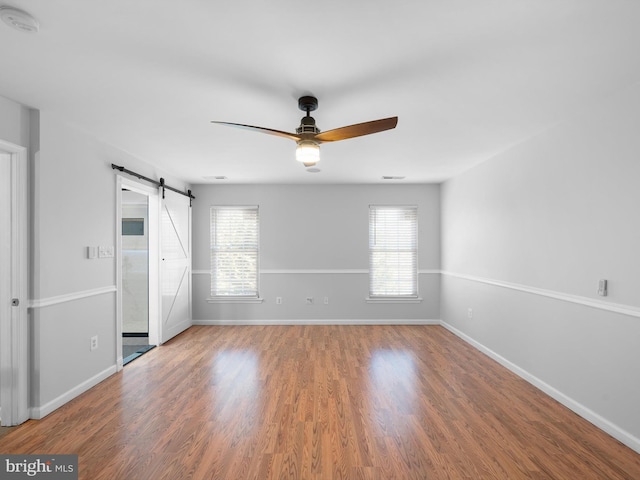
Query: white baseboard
point(320, 321)
point(38, 413)
point(602, 423)
point(119, 363)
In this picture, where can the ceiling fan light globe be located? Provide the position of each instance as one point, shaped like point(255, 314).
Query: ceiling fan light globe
point(308, 152)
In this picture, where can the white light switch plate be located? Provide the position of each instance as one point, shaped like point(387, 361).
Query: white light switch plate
point(602, 288)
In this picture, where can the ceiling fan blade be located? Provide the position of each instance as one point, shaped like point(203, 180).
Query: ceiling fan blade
point(357, 130)
point(270, 131)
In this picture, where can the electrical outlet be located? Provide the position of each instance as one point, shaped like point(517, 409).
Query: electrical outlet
point(470, 312)
point(326, 300)
point(309, 300)
point(279, 300)
point(93, 343)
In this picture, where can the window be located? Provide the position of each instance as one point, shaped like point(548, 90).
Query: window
point(234, 252)
point(133, 226)
point(393, 251)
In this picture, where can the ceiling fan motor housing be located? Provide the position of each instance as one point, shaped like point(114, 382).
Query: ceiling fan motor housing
point(307, 125)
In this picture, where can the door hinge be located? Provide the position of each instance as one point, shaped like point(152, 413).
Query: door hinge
point(15, 302)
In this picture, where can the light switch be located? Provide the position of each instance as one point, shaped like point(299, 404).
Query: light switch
point(602, 288)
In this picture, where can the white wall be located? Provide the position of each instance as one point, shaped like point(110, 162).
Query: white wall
point(304, 229)
point(525, 238)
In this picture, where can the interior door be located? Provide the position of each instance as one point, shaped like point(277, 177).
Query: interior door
point(175, 269)
point(13, 285)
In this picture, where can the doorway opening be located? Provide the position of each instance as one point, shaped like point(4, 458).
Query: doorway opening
point(138, 308)
point(135, 275)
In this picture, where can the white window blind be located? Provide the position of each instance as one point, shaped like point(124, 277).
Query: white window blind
point(234, 251)
point(393, 251)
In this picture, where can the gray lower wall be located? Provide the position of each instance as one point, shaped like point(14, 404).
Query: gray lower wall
point(346, 293)
point(553, 216)
point(314, 243)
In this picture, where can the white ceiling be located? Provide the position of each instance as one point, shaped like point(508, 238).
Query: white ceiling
point(468, 79)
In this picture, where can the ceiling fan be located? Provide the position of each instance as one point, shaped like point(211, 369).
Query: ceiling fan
point(309, 137)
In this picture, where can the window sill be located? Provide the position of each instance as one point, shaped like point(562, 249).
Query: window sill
point(235, 300)
point(393, 300)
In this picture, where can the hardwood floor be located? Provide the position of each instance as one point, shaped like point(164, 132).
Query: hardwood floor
point(326, 402)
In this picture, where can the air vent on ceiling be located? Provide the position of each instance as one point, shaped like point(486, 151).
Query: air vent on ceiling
point(391, 177)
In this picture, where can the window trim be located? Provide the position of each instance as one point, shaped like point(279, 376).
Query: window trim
point(408, 298)
point(235, 298)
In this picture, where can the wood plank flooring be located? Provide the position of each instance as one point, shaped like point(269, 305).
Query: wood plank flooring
point(322, 402)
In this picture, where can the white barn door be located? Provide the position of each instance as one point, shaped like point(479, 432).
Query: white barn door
point(175, 267)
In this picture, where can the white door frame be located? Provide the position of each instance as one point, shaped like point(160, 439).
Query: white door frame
point(154, 260)
point(14, 399)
